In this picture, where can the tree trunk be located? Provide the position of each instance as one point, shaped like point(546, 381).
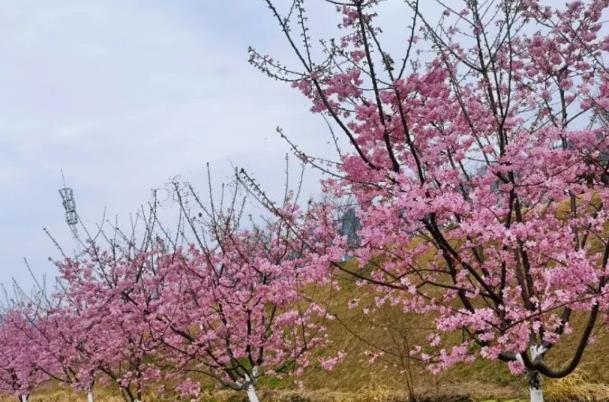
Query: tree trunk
point(535, 389)
point(24, 398)
point(251, 393)
point(90, 396)
point(128, 395)
point(536, 394)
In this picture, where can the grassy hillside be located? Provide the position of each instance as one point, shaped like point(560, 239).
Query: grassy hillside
point(392, 374)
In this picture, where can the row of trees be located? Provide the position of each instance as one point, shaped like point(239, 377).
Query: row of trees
point(477, 156)
point(228, 305)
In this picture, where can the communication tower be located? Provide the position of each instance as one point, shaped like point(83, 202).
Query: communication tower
point(69, 205)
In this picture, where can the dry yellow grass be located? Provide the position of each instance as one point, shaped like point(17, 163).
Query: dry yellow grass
point(577, 386)
point(378, 394)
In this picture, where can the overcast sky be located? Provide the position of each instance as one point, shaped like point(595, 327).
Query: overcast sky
point(123, 95)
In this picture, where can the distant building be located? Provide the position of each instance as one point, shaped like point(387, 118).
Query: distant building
point(349, 226)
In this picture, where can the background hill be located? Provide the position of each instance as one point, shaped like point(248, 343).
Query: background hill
point(378, 369)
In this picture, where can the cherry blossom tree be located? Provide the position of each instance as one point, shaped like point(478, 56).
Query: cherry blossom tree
point(19, 373)
point(63, 347)
point(92, 328)
point(234, 305)
point(478, 157)
point(109, 292)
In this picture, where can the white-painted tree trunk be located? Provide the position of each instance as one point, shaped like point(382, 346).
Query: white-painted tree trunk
point(250, 388)
point(536, 394)
point(24, 398)
point(251, 393)
point(90, 396)
point(535, 389)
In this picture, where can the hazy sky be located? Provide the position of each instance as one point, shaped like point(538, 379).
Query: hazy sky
point(123, 95)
